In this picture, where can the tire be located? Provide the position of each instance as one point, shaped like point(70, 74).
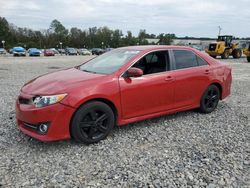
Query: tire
point(99, 120)
point(237, 53)
point(225, 54)
point(213, 56)
point(210, 99)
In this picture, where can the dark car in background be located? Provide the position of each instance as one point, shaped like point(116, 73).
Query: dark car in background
point(10, 51)
point(61, 51)
point(18, 51)
point(34, 52)
point(97, 51)
point(108, 49)
point(70, 51)
point(48, 52)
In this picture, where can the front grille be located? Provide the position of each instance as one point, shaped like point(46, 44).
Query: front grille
point(212, 47)
point(24, 100)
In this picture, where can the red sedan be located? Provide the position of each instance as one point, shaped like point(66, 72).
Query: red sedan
point(119, 87)
point(49, 52)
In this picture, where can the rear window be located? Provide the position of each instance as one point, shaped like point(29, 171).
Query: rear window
point(186, 59)
point(201, 62)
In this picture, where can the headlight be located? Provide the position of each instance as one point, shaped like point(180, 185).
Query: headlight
point(41, 101)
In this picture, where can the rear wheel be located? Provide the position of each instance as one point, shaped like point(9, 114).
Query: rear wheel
point(225, 54)
point(236, 53)
point(248, 59)
point(210, 99)
point(92, 122)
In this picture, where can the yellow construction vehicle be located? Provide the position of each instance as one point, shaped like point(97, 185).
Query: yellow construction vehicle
point(224, 47)
point(246, 51)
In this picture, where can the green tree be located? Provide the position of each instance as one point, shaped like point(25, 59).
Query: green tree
point(58, 33)
point(5, 33)
point(116, 38)
point(129, 39)
point(74, 37)
point(57, 28)
point(166, 39)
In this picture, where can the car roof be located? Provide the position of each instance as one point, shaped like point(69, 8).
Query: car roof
point(155, 47)
point(18, 47)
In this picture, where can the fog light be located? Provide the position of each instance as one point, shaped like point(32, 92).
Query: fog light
point(43, 128)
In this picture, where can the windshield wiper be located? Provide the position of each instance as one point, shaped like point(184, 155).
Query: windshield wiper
point(89, 71)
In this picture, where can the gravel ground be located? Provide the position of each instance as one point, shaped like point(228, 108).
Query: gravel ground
point(187, 149)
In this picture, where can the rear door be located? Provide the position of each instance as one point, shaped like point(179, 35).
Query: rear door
point(191, 77)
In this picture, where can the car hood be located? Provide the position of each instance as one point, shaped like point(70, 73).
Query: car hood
point(59, 82)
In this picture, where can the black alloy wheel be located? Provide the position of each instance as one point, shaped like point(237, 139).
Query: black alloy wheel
point(92, 122)
point(210, 99)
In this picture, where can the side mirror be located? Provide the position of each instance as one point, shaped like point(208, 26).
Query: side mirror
point(134, 72)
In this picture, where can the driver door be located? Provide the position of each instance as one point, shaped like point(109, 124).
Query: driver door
point(152, 92)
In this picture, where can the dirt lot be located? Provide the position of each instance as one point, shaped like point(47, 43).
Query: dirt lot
point(184, 149)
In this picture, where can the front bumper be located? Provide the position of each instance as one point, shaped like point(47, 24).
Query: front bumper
point(58, 117)
point(19, 53)
point(34, 54)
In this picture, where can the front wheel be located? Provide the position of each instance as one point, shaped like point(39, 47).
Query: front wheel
point(225, 54)
point(248, 58)
point(210, 99)
point(92, 122)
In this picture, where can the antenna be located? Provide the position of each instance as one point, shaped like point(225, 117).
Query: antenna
point(219, 29)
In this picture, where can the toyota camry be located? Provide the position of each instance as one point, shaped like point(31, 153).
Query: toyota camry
point(122, 86)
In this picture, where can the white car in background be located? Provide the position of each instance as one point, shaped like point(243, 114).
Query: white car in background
point(83, 51)
point(2, 51)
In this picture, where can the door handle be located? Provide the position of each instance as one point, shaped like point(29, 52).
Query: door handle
point(207, 71)
point(169, 78)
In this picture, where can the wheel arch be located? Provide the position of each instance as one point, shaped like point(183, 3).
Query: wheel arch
point(217, 84)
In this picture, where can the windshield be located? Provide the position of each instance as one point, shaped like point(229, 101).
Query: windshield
point(18, 48)
point(34, 49)
point(109, 62)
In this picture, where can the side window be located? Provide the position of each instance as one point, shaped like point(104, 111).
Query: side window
point(201, 62)
point(184, 59)
point(154, 62)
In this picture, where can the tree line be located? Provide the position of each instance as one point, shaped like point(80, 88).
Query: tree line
point(102, 37)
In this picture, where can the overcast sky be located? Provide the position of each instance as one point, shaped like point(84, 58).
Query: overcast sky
point(183, 17)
